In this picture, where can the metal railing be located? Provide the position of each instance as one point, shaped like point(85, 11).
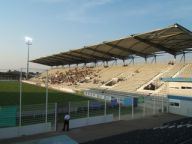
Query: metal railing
point(120, 108)
point(12, 116)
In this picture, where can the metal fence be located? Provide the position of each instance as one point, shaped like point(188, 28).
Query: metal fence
point(12, 116)
point(19, 111)
point(24, 113)
point(119, 108)
point(132, 107)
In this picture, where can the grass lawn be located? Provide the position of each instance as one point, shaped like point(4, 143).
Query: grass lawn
point(9, 94)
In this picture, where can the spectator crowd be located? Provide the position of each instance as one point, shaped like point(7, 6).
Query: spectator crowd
point(74, 76)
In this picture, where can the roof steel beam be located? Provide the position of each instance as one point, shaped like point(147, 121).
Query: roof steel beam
point(64, 60)
point(69, 57)
point(127, 50)
point(91, 56)
point(105, 53)
point(48, 64)
point(61, 59)
point(45, 62)
point(79, 59)
point(55, 62)
point(75, 56)
point(158, 46)
point(61, 62)
point(84, 55)
point(183, 28)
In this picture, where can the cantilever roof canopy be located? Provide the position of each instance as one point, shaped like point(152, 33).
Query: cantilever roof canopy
point(174, 40)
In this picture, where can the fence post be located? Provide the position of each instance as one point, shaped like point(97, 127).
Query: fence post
point(162, 104)
point(132, 115)
point(69, 108)
point(88, 109)
point(156, 105)
point(55, 116)
point(105, 110)
point(167, 105)
point(143, 106)
point(20, 98)
point(119, 109)
point(46, 100)
point(153, 104)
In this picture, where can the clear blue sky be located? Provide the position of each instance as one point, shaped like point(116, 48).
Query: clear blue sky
point(61, 25)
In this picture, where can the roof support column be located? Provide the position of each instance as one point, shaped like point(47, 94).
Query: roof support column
point(183, 57)
point(174, 60)
point(145, 59)
point(95, 63)
point(106, 63)
point(132, 61)
point(115, 61)
point(154, 59)
point(123, 62)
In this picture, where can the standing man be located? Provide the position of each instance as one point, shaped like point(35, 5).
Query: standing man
point(66, 122)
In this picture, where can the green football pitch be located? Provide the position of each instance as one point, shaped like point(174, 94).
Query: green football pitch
point(10, 93)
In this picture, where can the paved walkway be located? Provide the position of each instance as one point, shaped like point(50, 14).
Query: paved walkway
point(103, 130)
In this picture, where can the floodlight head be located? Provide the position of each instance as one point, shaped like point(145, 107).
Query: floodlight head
point(28, 40)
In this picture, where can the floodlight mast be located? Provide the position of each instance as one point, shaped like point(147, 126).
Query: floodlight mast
point(28, 42)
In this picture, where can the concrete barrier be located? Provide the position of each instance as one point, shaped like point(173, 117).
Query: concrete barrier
point(90, 121)
point(12, 132)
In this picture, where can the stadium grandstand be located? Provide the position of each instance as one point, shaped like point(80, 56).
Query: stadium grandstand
point(125, 102)
point(139, 78)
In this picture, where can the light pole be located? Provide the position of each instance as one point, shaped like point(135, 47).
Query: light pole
point(28, 42)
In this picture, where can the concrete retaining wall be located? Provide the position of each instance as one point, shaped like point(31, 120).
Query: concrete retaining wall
point(90, 121)
point(12, 132)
